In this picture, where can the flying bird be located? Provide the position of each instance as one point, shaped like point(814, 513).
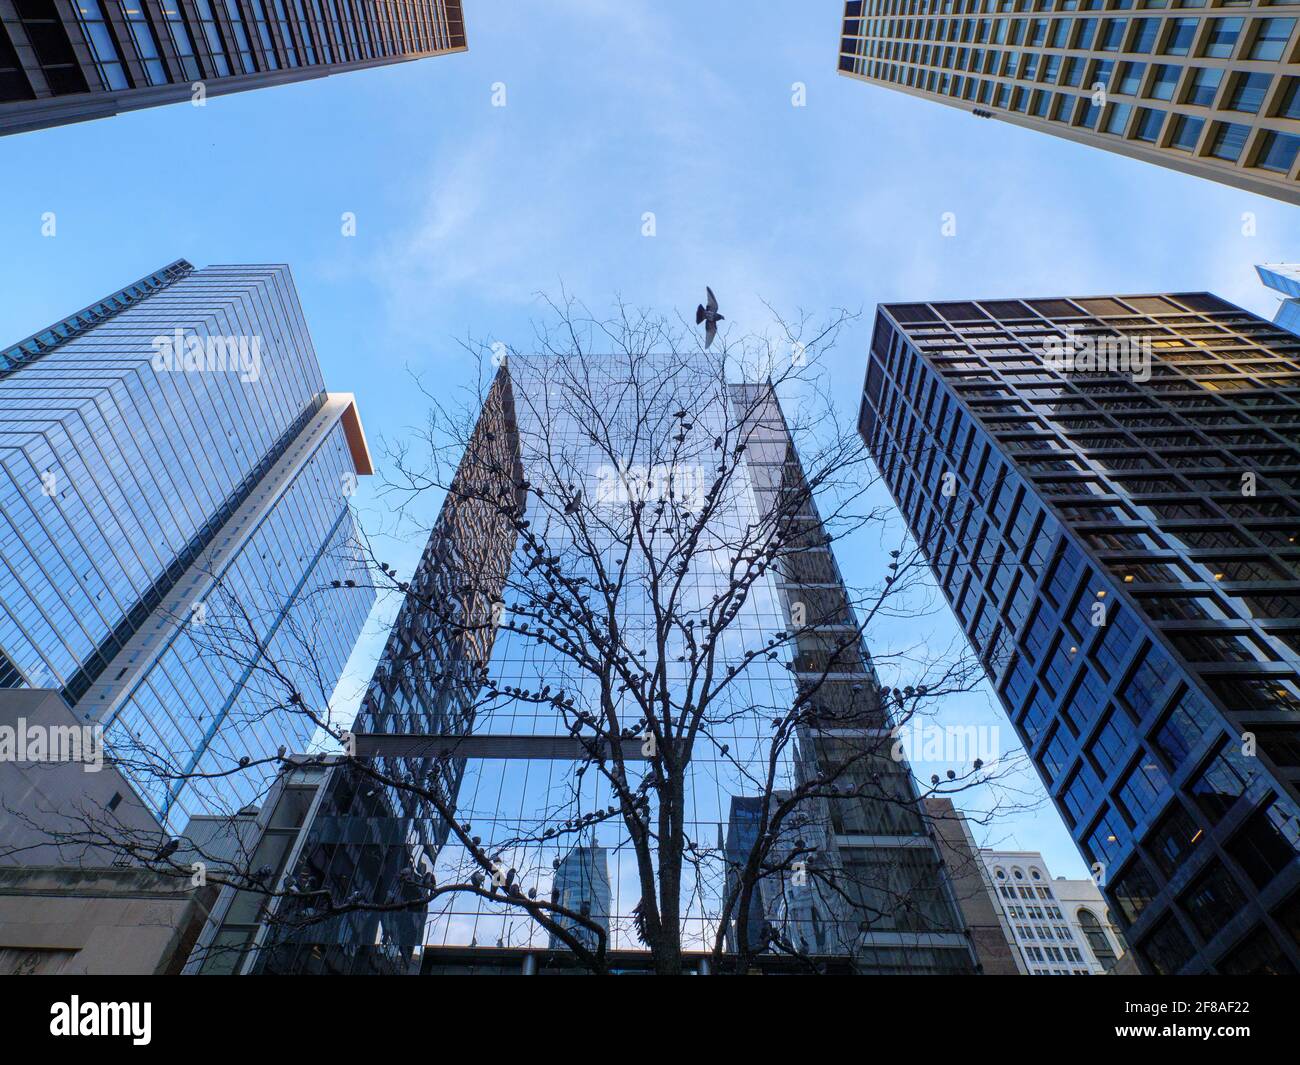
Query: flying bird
point(708, 314)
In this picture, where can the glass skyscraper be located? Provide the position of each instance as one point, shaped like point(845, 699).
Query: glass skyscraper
point(1211, 90)
point(174, 514)
point(1108, 491)
point(581, 884)
point(467, 699)
point(70, 60)
point(1284, 279)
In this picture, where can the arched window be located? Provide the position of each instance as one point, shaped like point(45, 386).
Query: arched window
point(1096, 936)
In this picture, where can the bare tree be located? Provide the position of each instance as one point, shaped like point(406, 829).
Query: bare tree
point(632, 576)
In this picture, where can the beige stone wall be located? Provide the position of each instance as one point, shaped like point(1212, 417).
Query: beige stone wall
point(93, 921)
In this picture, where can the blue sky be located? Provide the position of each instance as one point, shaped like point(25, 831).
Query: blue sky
point(465, 210)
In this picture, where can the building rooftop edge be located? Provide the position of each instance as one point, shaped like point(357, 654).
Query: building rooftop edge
point(355, 434)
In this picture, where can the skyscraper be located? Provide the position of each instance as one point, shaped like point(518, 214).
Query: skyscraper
point(1210, 92)
point(363, 839)
point(469, 700)
point(582, 885)
point(72, 60)
point(1108, 492)
point(1284, 279)
point(174, 490)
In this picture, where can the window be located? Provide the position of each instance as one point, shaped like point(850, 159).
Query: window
point(1064, 577)
point(1221, 37)
point(1259, 954)
point(1116, 642)
point(1144, 37)
point(1167, 947)
point(1060, 663)
point(1081, 793)
point(1113, 740)
point(1100, 73)
point(1097, 939)
point(1130, 78)
point(1221, 783)
point(1271, 37)
point(1107, 841)
point(1173, 839)
point(1151, 684)
point(1134, 889)
point(1203, 86)
point(1227, 140)
point(1179, 38)
point(1288, 104)
point(1113, 34)
point(1248, 92)
point(1212, 900)
point(1277, 151)
point(1187, 131)
point(1142, 790)
point(1188, 722)
point(1266, 843)
point(1163, 82)
point(103, 46)
point(145, 42)
point(1056, 755)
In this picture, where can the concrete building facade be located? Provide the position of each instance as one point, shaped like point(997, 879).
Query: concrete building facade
point(1211, 90)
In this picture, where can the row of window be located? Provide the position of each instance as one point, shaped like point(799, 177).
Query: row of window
point(1210, 38)
point(930, 9)
point(1275, 151)
point(309, 32)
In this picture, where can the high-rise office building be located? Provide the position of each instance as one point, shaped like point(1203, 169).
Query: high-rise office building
point(360, 838)
point(581, 884)
point(1061, 927)
point(174, 513)
point(1208, 91)
point(1108, 492)
point(1284, 279)
point(70, 60)
point(492, 716)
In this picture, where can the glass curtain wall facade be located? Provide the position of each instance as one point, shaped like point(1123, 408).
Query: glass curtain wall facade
point(1207, 87)
point(878, 841)
point(516, 773)
point(378, 843)
point(70, 60)
point(1116, 535)
point(1284, 279)
point(174, 487)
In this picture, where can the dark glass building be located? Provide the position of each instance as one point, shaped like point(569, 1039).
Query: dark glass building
point(1108, 491)
point(70, 60)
